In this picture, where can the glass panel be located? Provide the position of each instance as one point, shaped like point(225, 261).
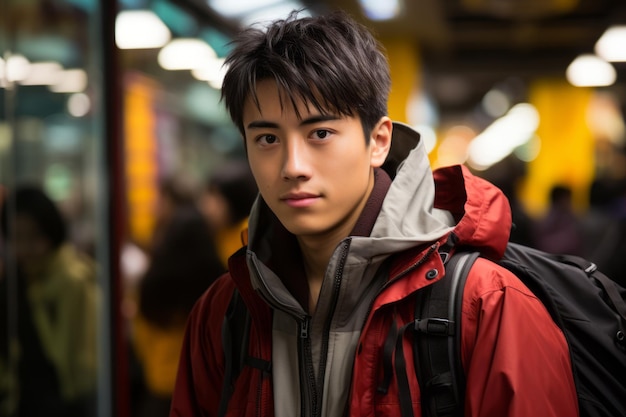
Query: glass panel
point(54, 348)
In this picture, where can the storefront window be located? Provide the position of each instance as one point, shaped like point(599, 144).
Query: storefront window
point(55, 275)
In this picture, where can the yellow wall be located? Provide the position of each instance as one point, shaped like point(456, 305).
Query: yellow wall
point(567, 145)
point(404, 65)
point(141, 158)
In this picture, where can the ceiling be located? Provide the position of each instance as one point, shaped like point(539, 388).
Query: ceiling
point(469, 46)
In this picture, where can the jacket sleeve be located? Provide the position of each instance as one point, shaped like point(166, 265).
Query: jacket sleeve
point(201, 370)
point(516, 359)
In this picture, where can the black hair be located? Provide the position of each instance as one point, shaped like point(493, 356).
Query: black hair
point(330, 62)
point(32, 201)
point(235, 182)
point(560, 193)
point(183, 265)
point(177, 190)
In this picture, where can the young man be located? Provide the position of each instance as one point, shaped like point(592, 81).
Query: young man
point(309, 96)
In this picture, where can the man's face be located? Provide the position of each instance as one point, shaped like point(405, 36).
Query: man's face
point(314, 172)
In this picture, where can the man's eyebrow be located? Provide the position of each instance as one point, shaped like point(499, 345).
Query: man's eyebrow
point(260, 124)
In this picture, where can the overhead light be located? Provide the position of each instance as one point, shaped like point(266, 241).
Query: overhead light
point(496, 102)
point(78, 104)
point(140, 29)
point(590, 71)
point(43, 73)
point(612, 44)
point(213, 73)
point(70, 81)
point(516, 128)
point(381, 10)
point(231, 9)
point(16, 68)
point(186, 54)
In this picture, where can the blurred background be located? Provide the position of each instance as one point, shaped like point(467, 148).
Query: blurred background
point(110, 117)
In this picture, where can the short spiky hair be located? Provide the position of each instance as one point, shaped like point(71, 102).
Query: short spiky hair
point(330, 62)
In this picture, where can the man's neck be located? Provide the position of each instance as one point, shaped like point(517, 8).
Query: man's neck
point(316, 253)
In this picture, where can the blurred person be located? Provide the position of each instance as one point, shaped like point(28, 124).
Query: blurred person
point(183, 263)
point(174, 192)
point(604, 228)
point(57, 303)
point(523, 223)
point(226, 201)
point(559, 230)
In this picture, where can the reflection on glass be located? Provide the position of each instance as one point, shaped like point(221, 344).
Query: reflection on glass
point(53, 239)
point(58, 299)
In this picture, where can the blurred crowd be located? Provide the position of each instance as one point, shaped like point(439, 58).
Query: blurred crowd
point(196, 231)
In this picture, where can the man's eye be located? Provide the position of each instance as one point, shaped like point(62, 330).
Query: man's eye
point(321, 134)
point(267, 139)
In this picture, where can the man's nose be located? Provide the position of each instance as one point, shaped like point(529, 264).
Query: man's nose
point(296, 159)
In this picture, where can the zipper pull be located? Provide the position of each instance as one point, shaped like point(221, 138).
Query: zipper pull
point(304, 328)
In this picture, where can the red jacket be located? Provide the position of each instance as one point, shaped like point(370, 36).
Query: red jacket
point(515, 358)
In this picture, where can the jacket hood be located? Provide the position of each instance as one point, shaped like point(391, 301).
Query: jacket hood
point(481, 210)
point(420, 207)
point(408, 217)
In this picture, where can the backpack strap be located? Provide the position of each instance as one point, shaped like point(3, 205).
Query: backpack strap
point(608, 285)
point(235, 329)
point(437, 348)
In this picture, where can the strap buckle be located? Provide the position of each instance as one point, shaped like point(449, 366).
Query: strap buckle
point(435, 326)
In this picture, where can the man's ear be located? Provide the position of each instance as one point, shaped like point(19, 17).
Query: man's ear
point(380, 142)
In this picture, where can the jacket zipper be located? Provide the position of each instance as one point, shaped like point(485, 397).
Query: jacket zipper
point(261, 401)
point(308, 392)
point(411, 267)
point(259, 396)
point(315, 387)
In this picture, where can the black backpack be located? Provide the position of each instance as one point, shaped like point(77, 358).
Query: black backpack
point(584, 303)
point(589, 307)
